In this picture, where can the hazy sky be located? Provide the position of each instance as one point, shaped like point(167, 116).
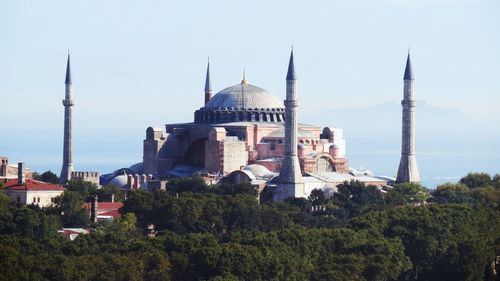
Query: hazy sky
point(142, 63)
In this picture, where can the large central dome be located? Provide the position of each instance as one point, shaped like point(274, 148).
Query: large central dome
point(241, 103)
point(243, 97)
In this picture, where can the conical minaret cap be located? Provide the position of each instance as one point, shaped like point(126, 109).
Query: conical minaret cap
point(208, 83)
point(68, 72)
point(409, 70)
point(290, 75)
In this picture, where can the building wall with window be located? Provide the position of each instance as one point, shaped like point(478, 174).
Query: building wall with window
point(33, 192)
point(41, 198)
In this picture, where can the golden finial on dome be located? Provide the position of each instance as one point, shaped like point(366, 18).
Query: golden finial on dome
point(244, 81)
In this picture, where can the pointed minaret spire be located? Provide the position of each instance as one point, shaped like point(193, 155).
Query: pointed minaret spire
point(408, 70)
point(208, 84)
point(289, 182)
point(290, 75)
point(68, 71)
point(408, 170)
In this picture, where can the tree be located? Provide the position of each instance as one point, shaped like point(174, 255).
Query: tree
point(139, 202)
point(487, 196)
point(69, 206)
point(317, 197)
point(473, 180)
point(452, 193)
point(129, 222)
point(106, 192)
point(234, 189)
point(194, 184)
point(496, 180)
point(354, 198)
point(444, 242)
point(84, 188)
point(47, 176)
point(407, 193)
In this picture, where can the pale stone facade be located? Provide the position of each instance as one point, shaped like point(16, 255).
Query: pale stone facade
point(8, 171)
point(28, 191)
point(224, 154)
point(239, 126)
point(92, 177)
point(289, 183)
point(40, 198)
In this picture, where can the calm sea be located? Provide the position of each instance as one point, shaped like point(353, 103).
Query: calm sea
point(438, 162)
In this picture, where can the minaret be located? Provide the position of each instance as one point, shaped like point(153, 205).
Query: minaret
point(68, 103)
point(289, 182)
point(408, 170)
point(208, 85)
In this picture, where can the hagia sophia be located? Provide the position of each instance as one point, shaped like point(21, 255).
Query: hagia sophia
point(240, 133)
point(245, 134)
point(240, 125)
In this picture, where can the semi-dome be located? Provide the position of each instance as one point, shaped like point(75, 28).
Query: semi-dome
point(119, 181)
point(241, 103)
point(244, 96)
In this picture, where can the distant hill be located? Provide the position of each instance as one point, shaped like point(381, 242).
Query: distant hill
point(384, 121)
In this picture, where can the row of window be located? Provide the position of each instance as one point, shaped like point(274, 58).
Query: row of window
point(231, 116)
point(35, 199)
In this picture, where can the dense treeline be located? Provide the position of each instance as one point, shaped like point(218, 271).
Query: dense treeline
point(223, 233)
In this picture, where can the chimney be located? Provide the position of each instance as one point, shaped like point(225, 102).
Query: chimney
point(20, 173)
point(3, 166)
point(151, 230)
point(93, 210)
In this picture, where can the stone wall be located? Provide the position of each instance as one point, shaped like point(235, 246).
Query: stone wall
point(92, 177)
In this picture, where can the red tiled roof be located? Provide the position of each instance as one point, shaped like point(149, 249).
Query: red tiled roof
point(30, 184)
point(68, 232)
point(114, 213)
point(105, 205)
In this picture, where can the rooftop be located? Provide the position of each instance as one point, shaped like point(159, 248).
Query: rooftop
point(244, 96)
point(30, 184)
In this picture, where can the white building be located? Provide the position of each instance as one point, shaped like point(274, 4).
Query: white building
point(29, 191)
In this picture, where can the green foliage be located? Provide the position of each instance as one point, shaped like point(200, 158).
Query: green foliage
point(235, 189)
point(452, 193)
point(487, 196)
point(129, 222)
point(194, 184)
point(444, 242)
point(225, 234)
point(106, 192)
point(47, 176)
point(355, 198)
point(29, 221)
point(70, 207)
point(87, 191)
point(317, 197)
point(496, 180)
point(460, 193)
point(407, 193)
point(84, 189)
point(473, 180)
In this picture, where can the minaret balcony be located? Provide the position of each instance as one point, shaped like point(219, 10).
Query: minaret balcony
point(291, 103)
point(68, 102)
point(410, 103)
